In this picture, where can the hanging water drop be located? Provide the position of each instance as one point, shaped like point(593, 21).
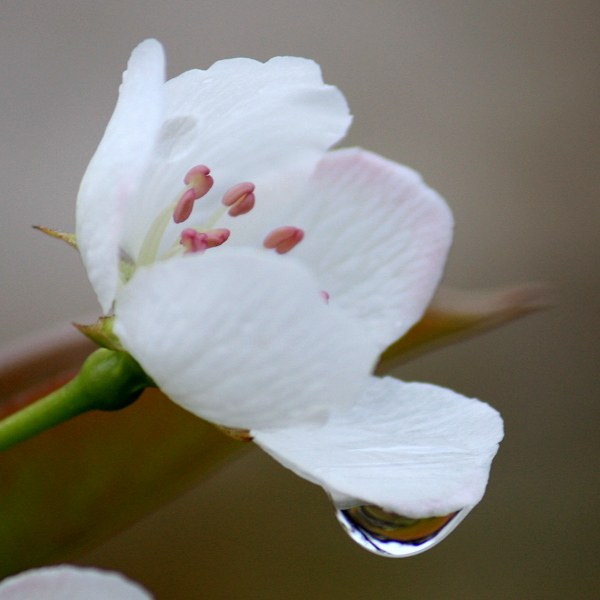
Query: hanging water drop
point(395, 536)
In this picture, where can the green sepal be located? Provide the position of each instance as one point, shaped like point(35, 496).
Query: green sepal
point(111, 380)
point(101, 333)
point(108, 381)
point(70, 238)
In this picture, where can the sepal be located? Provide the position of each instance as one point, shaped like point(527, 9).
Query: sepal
point(70, 238)
point(101, 333)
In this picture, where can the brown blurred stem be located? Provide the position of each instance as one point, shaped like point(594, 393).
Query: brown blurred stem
point(454, 315)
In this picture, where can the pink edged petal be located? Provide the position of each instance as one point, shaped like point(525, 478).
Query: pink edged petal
point(114, 173)
point(411, 448)
point(266, 123)
point(376, 236)
point(243, 339)
point(66, 582)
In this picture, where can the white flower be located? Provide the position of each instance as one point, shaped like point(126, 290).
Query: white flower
point(66, 582)
point(282, 343)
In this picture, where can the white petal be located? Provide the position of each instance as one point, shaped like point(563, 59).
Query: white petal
point(411, 448)
point(243, 339)
point(268, 123)
point(67, 582)
point(114, 173)
point(376, 236)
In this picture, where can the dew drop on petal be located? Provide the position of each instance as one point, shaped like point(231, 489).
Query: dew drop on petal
point(394, 536)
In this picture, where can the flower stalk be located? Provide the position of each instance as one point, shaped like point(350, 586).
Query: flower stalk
point(108, 380)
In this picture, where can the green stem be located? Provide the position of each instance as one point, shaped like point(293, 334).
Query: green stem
point(108, 380)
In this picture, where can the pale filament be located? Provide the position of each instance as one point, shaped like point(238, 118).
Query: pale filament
point(238, 200)
point(198, 183)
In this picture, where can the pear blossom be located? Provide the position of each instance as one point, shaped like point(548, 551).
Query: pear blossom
point(256, 276)
point(67, 582)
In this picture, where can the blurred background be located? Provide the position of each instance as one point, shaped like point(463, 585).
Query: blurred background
point(497, 104)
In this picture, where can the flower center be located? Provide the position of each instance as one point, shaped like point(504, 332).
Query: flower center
point(237, 201)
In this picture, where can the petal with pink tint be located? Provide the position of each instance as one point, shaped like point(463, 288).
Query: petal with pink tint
point(66, 582)
point(376, 237)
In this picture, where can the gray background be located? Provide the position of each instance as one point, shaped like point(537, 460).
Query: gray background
point(496, 103)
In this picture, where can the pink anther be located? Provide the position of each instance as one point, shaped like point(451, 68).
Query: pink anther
point(241, 199)
point(193, 241)
point(325, 296)
point(283, 239)
point(196, 241)
point(198, 177)
point(216, 237)
point(184, 207)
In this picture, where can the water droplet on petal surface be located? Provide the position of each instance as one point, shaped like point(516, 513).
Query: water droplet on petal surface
point(388, 534)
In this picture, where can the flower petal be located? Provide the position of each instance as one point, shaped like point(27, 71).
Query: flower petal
point(115, 171)
point(267, 123)
point(67, 582)
point(411, 448)
point(243, 339)
point(376, 236)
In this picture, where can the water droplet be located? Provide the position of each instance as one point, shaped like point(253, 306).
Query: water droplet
point(392, 535)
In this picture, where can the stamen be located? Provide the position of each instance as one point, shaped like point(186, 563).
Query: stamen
point(197, 241)
point(184, 206)
point(199, 183)
point(283, 239)
point(241, 199)
point(193, 241)
point(325, 296)
point(216, 237)
point(199, 179)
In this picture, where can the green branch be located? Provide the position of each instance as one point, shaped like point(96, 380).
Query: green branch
point(108, 380)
